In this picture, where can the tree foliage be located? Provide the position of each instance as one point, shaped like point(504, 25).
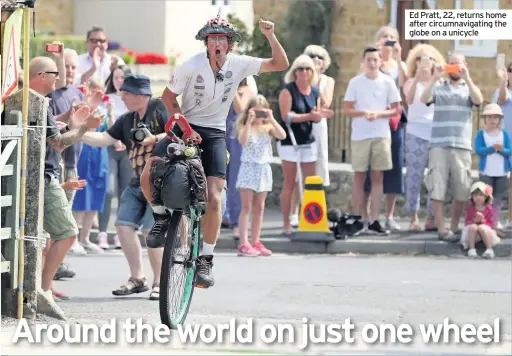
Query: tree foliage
point(307, 22)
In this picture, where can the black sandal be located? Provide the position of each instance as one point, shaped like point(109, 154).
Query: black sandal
point(133, 286)
point(155, 292)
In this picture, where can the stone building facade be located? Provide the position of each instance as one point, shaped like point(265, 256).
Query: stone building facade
point(354, 24)
point(55, 16)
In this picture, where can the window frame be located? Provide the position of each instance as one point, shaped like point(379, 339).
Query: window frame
point(479, 48)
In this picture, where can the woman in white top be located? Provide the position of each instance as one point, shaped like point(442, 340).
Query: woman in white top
point(325, 84)
point(120, 168)
point(420, 68)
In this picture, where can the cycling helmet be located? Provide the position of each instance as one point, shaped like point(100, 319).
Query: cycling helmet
point(218, 27)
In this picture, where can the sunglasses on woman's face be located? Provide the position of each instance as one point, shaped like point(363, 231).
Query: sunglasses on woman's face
point(302, 69)
point(419, 58)
point(313, 56)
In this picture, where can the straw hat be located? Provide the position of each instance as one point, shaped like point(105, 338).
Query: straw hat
point(492, 109)
point(484, 188)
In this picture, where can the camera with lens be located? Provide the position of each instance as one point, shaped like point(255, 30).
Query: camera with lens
point(341, 227)
point(140, 132)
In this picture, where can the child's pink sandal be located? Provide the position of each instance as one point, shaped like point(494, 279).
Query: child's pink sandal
point(258, 246)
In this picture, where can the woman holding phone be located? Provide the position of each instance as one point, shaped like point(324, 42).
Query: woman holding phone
point(420, 66)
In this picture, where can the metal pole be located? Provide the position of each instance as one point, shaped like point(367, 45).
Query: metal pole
point(24, 145)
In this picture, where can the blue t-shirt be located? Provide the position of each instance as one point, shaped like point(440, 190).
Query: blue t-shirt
point(507, 111)
point(60, 103)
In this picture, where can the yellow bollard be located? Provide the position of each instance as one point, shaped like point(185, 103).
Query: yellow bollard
point(313, 225)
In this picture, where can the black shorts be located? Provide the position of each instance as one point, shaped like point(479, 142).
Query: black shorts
point(213, 144)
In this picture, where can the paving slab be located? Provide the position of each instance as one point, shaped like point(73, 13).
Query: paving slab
point(401, 242)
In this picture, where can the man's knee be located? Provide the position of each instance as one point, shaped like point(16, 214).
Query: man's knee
point(214, 199)
point(377, 177)
point(145, 179)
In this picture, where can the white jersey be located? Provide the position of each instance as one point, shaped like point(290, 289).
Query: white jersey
point(206, 98)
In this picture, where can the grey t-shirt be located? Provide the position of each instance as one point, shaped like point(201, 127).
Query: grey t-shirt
point(60, 103)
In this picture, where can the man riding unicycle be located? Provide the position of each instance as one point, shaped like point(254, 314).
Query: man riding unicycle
point(208, 82)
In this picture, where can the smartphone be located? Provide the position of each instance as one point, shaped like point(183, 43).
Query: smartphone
point(500, 61)
point(53, 48)
point(452, 69)
point(260, 114)
point(389, 43)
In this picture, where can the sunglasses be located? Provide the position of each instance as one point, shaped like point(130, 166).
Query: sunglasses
point(54, 73)
point(313, 56)
point(509, 70)
point(419, 58)
point(97, 40)
point(301, 69)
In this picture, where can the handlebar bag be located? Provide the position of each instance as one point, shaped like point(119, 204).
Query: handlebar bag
point(178, 182)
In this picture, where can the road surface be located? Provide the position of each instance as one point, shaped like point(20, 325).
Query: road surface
point(284, 289)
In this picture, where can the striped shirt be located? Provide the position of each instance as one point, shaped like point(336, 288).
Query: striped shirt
point(453, 116)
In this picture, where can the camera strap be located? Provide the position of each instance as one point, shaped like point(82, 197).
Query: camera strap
point(152, 106)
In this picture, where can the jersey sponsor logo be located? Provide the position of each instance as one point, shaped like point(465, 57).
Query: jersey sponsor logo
point(229, 74)
point(199, 79)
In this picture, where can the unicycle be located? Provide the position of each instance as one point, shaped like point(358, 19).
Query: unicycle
point(181, 248)
point(177, 277)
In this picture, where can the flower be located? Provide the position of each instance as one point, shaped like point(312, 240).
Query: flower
point(151, 58)
point(131, 57)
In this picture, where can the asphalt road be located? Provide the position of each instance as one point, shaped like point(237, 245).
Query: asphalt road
point(284, 289)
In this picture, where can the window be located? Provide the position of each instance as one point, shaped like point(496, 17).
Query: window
point(432, 4)
point(220, 3)
point(477, 48)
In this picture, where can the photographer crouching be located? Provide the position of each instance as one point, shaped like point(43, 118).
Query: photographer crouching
point(139, 130)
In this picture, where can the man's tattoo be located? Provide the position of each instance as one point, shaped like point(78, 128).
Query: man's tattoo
point(63, 141)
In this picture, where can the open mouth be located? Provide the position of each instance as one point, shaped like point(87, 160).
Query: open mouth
point(217, 51)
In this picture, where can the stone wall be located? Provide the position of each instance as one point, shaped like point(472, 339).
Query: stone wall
point(56, 16)
point(354, 26)
point(339, 193)
point(482, 70)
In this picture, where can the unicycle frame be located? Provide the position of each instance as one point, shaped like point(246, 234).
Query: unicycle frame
point(195, 213)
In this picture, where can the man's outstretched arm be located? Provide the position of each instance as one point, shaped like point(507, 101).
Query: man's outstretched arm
point(60, 142)
point(98, 139)
point(279, 60)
